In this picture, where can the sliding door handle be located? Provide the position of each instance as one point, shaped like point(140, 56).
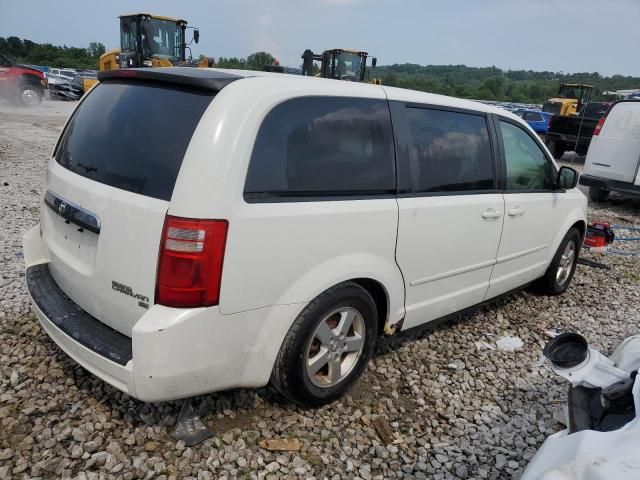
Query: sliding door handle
point(515, 212)
point(491, 213)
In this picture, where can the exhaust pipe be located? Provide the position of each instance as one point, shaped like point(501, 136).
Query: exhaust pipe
point(573, 359)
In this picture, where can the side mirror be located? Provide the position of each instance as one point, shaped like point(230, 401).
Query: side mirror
point(567, 178)
point(374, 62)
point(196, 36)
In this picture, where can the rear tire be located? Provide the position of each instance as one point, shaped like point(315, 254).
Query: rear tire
point(29, 95)
point(598, 194)
point(558, 276)
point(328, 346)
point(556, 148)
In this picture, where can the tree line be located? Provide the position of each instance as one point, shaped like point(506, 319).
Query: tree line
point(492, 83)
point(32, 53)
point(489, 83)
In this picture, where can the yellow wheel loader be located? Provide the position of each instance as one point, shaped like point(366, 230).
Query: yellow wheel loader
point(570, 99)
point(339, 64)
point(152, 41)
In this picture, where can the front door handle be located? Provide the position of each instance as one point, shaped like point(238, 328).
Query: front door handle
point(491, 213)
point(516, 211)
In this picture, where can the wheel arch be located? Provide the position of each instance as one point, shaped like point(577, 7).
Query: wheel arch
point(380, 296)
point(29, 79)
point(577, 219)
point(581, 225)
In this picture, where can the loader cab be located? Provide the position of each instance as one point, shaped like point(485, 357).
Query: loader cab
point(152, 41)
point(344, 64)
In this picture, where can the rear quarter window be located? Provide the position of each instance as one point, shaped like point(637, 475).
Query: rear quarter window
point(323, 146)
point(132, 136)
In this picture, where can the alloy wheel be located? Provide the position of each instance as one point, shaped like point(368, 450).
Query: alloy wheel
point(566, 263)
point(335, 347)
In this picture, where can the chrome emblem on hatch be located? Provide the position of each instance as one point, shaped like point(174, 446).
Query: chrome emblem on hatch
point(62, 208)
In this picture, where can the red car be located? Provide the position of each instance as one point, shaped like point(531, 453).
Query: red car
point(21, 84)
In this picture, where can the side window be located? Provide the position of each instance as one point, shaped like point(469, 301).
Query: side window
point(323, 146)
point(449, 151)
point(528, 168)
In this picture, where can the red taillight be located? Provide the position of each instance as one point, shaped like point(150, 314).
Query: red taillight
point(190, 265)
point(599, 125)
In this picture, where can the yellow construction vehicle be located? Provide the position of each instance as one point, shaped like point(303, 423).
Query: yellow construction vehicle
point(570, 99)
point(339, 64)
point(152, 41)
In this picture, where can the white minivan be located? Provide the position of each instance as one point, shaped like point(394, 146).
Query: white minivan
point(203, 230)
point(613, 159)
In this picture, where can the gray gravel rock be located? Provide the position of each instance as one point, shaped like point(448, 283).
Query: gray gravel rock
point(456, 410)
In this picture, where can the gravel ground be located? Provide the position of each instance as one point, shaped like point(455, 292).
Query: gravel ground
point(450, 410)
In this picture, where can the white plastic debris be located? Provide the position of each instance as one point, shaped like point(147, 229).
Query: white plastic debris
point(510, 344)
point(482, 345)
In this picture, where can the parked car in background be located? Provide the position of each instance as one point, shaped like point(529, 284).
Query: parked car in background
point(19, 83)
point(73, 89)
point(207, 229)
point(613, 159)
point(564, 130)
point(537, 120)
point(56, 76)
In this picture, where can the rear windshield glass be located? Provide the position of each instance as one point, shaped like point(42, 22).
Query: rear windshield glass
point(132, 136)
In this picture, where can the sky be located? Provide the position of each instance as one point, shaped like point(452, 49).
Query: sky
point(555, 35)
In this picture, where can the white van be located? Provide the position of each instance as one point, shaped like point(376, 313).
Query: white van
point(613, 158)
point(204, 230)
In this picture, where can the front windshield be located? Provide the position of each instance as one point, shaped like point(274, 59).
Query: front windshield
point(348, 66)
point(567, 91)
point(161, 37)
point(5, 61)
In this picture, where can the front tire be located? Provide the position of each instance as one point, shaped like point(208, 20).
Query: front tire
point(558, 276)
point(328, 346)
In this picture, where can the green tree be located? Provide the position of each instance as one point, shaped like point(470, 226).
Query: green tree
point(255, 61)
point(96, 49)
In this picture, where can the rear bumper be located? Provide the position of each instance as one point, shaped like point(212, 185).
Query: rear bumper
point(172, 353)
point(608, 184)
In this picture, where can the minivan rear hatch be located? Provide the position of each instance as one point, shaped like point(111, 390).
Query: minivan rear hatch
point(108, 190)
point(615, 152)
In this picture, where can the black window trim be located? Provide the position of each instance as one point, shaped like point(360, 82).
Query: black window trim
point(321, 196)
point(503, 161)
point(405, 184)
